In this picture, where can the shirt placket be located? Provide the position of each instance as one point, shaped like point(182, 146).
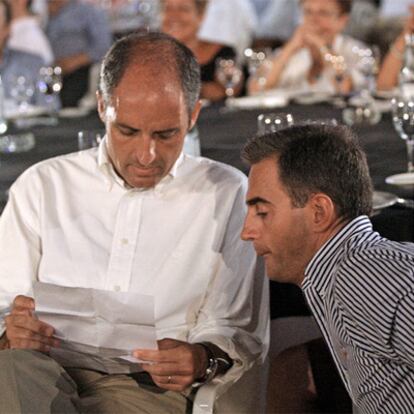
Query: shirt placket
point(127, 227)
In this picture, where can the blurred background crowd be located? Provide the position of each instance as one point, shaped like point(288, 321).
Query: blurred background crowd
point(243, 46)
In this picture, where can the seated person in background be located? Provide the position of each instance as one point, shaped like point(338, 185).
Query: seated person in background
point(135, 214)
point(26, 33)
point(229, 22)
point(18, 69)
point(317, 57)
point(181, 19)
point(79, 34)
point(394, 59)
point(309, 198)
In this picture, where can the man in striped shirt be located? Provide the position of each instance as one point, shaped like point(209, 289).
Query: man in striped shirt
point(309, 198)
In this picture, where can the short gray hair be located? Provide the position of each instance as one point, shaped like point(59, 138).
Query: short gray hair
point(151, 49)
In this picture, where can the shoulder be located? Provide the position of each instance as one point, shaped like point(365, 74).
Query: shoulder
point(374, 270)
point(62, 168)
point(214, 173)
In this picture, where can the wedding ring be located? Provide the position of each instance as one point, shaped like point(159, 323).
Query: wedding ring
point(169, 379)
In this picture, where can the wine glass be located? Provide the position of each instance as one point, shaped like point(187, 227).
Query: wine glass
point(229, 74)
point(258, 65)
point(272, 122)
point(21, 91)
point(403, 120)
point(50, 85)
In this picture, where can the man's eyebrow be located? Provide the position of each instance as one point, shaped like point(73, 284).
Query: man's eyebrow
point(256, 200)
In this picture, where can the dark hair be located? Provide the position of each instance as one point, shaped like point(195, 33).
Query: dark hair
point(345, 6)
point(7, 11)
point(157, 49)
point(199, 4)
point(318, 158)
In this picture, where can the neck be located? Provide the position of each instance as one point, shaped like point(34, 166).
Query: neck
point(321, 238)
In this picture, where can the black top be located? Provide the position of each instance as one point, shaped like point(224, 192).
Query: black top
point(208, 69)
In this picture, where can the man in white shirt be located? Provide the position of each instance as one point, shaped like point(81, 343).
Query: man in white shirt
point(134, 215)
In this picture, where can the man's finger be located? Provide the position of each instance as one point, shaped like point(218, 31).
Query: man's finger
point(24, 302)
point(29, 323)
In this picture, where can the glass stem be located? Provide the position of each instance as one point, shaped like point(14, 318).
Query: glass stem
point(410, 154)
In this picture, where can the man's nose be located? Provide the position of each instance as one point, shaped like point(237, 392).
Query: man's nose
point(147, 151)
point(248, 232)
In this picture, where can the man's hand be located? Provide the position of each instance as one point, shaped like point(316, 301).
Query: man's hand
point(25, 331)
point(175, 365)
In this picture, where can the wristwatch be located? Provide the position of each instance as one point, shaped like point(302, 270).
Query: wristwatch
point(214, 364)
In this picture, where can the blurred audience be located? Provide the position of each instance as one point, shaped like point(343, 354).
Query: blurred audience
point(393, 61)
point(182, 19)
point(363, 19)
point(80, 35)
point(277, 20)
point(317, 57)
point(26, 33)
point(128, 16)
point(395, 8)
point(19, 70)
point(229, 22)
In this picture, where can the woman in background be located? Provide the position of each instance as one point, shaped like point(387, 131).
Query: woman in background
point(182, 19)
point(393, 61)
point(317, 57)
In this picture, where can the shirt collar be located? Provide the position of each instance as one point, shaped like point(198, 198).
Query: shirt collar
point(106, 166)
point(324, 261)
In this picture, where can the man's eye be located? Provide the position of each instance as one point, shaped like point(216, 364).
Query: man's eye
point(261, 213)
point(128, 132)
point(166, 134)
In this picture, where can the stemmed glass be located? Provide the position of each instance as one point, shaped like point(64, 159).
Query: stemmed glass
point(229, 74)
point(368, 62)
point(272, 122)
point(403, 120)
point(50, 85)
point(258, 65)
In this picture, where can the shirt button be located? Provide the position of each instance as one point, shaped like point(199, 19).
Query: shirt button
point(117, 288)
point(124, 241)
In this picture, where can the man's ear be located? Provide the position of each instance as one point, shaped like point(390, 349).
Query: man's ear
point(101, 106)
point(195, 113)
point(323, 212)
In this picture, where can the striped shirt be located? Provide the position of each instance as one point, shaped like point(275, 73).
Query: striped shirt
point(360, 287)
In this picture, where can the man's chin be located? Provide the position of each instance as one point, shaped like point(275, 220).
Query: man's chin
point(144, 182)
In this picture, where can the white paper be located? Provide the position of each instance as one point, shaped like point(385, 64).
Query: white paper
point(98, 329)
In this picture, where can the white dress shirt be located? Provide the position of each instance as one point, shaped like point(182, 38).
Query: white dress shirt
point(73, 221)
point(27, 35)
point(294, 75)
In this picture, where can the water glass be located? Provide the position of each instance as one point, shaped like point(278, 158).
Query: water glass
point(15, 143)
point(50, 85)
point(89, 139)
point(272, 122)
point(21, 91)
point(229, 74)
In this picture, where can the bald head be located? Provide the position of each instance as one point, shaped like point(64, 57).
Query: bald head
point(156, 55)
